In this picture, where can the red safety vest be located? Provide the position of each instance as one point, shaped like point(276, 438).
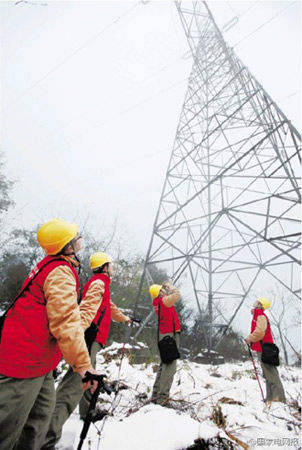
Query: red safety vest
point(167, 317)
point(104, 326)
point(27, 348)
point(268, 334)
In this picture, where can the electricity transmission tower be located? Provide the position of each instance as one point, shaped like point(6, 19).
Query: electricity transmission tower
point(227, 220)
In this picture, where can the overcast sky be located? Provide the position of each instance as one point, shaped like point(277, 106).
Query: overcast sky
point(92, 93)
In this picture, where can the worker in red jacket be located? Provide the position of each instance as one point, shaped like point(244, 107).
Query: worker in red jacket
point(96, 292)
point(261, 332)
point(43, 324)
point(164, 298)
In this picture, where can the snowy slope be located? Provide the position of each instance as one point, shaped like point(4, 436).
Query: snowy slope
point(207, 401)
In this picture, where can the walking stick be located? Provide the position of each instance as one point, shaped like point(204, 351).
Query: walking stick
point(102, 386)
point(255, 369)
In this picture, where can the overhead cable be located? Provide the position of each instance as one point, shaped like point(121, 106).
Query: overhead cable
point(265, 23)
point(76, 51)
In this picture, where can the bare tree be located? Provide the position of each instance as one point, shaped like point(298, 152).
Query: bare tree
point(278, 322)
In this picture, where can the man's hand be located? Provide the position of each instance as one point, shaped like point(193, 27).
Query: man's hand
point(167, 285)
point(167, 288)
point(88, 384)
point(247, 340)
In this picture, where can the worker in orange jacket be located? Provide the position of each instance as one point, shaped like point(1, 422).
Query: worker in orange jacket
point(261, 333)
point(42, 324)
point(95, 292)
point(165, 297)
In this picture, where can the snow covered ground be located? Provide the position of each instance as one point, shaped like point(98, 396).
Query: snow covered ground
point(206, 402)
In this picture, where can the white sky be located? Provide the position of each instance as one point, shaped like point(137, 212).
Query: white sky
point(92, 93)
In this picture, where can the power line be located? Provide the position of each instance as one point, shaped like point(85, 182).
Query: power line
point(265, 23)
point(76, 51)
point(158, 93)
point(231, 7)
point(133, 106)
point(129, 109)
point(31, 3)
point(147, 79)
point(232, 22)
point(244, 12)
point(248, 9)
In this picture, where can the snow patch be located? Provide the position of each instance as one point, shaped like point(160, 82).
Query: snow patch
point(152, 427)
point(197, 390)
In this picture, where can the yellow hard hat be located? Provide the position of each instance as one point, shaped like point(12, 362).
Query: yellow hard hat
point(154, 290)
point(55, 234)
point(99, 259)
point(264, 302)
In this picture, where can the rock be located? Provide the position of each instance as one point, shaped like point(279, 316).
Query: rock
point(209, 357)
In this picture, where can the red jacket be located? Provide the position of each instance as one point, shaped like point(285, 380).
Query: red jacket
point(167, 317)
point(268, 334)
point(104, 326)
point(27, 347)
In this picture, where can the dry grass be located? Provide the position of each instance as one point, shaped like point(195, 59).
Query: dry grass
point(230, 401)
point(236, 375)
point(217, 416)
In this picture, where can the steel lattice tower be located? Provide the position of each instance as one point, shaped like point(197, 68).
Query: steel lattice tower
point(228, 217)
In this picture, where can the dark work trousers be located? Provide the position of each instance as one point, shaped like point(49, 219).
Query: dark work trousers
point(164, 377)
point(26, 406)
point(68, 394)
point(274, 388)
